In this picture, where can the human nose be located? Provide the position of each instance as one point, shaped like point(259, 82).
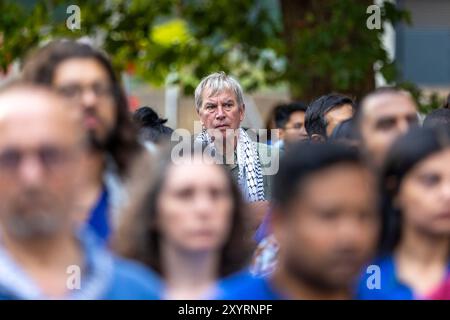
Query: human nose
point(88, 97)
point(220, 114)
point(31, 171)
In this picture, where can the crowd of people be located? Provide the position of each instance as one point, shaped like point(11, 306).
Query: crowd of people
point(346, 198)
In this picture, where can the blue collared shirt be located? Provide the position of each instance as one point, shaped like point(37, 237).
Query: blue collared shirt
point(104, 276)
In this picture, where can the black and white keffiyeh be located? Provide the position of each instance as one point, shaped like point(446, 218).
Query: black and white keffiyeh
point(250, 174)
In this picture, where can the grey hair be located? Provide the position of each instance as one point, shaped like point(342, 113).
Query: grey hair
point(218, 82)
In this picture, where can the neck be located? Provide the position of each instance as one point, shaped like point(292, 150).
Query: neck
point(188, 275)
point(294, 288)
point(62, 249)
point(423, 248)
point(95, 166)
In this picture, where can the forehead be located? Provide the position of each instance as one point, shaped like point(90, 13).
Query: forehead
point(80, 70)
point(344, 109)
point(297, 116)
point(339, 182)
point(195, 172)
point(435, 162)
point(29, 118)
point(388, 106)
point(225, 94)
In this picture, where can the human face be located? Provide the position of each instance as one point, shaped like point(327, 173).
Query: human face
point(195, 207)
point(329, 231)
point(40, 149)
point(384, 118)
point(86, 82)
point(294, 130)
point(220, 113)
point(336, 116)
point(424, 195)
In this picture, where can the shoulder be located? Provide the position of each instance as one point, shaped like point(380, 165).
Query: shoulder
point(379, 281)
point(132, 280)
point(243, 286)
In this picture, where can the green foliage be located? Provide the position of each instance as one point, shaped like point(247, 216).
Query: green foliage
point(335, 51)
point(180, 41)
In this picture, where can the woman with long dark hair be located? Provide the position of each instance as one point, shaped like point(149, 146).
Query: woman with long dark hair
point(188, 226)
point(415, 247)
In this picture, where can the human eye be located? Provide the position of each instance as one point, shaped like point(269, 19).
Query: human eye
point(70, 91)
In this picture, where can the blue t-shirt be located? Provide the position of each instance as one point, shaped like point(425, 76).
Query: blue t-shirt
point(132, 281)
point(390, 287)
point(99, 216)
point(245, 286)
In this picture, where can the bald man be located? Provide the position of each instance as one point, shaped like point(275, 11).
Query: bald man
point(384, 114)
point(43, 252)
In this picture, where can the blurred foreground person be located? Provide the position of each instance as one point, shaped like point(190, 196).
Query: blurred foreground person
point(415, 184)
point(325, 222)
point(86, 77)
point(345, 133)
point(42, 253)
point(188, 226)
point(384, 115)
point(437, 117)
point(325, 113)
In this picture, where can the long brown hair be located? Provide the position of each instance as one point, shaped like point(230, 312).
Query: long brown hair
point(40, 67)
point(138, 236)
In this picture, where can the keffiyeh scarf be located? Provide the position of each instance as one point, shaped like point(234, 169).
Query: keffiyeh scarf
point(250, 174)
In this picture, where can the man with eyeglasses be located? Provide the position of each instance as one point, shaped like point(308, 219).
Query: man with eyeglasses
point(43, 252)
point(85, 76)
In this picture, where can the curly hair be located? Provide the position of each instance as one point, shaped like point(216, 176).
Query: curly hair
point(40, 67)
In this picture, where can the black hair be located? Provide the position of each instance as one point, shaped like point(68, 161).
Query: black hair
point(437, 117)
point(284, 111)
point(151, 127)
point(405, 153)
point(345, 131)
point(304, 159)
point(315, 121)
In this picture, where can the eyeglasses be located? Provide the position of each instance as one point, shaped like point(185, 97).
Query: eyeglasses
point(76, 91)
point(50, 158)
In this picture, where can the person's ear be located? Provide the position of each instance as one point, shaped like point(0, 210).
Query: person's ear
point(281, 134)
point(317, 138)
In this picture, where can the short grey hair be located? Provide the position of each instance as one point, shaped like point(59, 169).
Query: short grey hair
point(218, 82)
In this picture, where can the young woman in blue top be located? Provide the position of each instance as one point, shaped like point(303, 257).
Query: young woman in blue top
point(415, 187)
point(189, 227)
